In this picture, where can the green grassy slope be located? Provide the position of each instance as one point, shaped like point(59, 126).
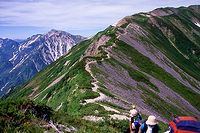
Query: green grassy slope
point(123, 70)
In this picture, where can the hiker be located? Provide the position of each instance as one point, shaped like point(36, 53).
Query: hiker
point(135, 120)
point(150, 126)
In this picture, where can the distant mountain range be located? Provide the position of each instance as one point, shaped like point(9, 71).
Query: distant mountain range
point(20, 60)
point(151, 60)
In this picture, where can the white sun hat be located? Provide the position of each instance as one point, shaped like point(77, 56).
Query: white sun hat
point(133, 112)
point(151, 120)
point(134, 106)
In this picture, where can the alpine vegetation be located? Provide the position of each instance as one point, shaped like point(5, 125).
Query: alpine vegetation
point(151, 60)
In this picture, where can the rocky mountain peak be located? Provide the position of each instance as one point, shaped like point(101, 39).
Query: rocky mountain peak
point(57, 33)
point(163, 11)
point(32, 55)
point(195, 7)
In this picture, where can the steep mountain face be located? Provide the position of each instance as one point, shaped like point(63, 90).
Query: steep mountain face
point(7, 50)
point(150, 59)
point(26, 59)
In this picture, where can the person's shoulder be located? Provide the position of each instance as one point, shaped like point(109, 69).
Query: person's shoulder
point(157, 128)
point(143, 126)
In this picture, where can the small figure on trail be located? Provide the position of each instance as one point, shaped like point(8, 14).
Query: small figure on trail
point(150, 126)
point(135, 119)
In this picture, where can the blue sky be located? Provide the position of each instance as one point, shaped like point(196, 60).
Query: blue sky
point(20, 19)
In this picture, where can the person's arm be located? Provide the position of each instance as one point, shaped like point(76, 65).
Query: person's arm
point(140, 117)
point(130, 124)
point(140, 129)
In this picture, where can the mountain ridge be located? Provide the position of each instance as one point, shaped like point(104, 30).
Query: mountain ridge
point(151, 61)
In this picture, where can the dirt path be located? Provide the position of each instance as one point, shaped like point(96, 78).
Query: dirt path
point(95, 82)
point(93, 118)
point(119, 117)
point(102, 96)
point(95, 86)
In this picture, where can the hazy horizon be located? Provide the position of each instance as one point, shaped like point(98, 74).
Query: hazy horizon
point(22, 19)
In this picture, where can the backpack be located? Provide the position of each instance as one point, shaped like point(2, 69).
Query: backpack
point(135, 122)
point(137, 118)
point(144, 128)
point(184, 124)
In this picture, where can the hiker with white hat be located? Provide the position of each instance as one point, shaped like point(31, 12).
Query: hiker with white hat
point(150, 126)
point(135, 119)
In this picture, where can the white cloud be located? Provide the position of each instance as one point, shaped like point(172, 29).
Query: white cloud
point(74, 14)
point(61, 14)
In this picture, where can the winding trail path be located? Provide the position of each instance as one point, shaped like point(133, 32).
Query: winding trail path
point(95, 86)
point(102, 96)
